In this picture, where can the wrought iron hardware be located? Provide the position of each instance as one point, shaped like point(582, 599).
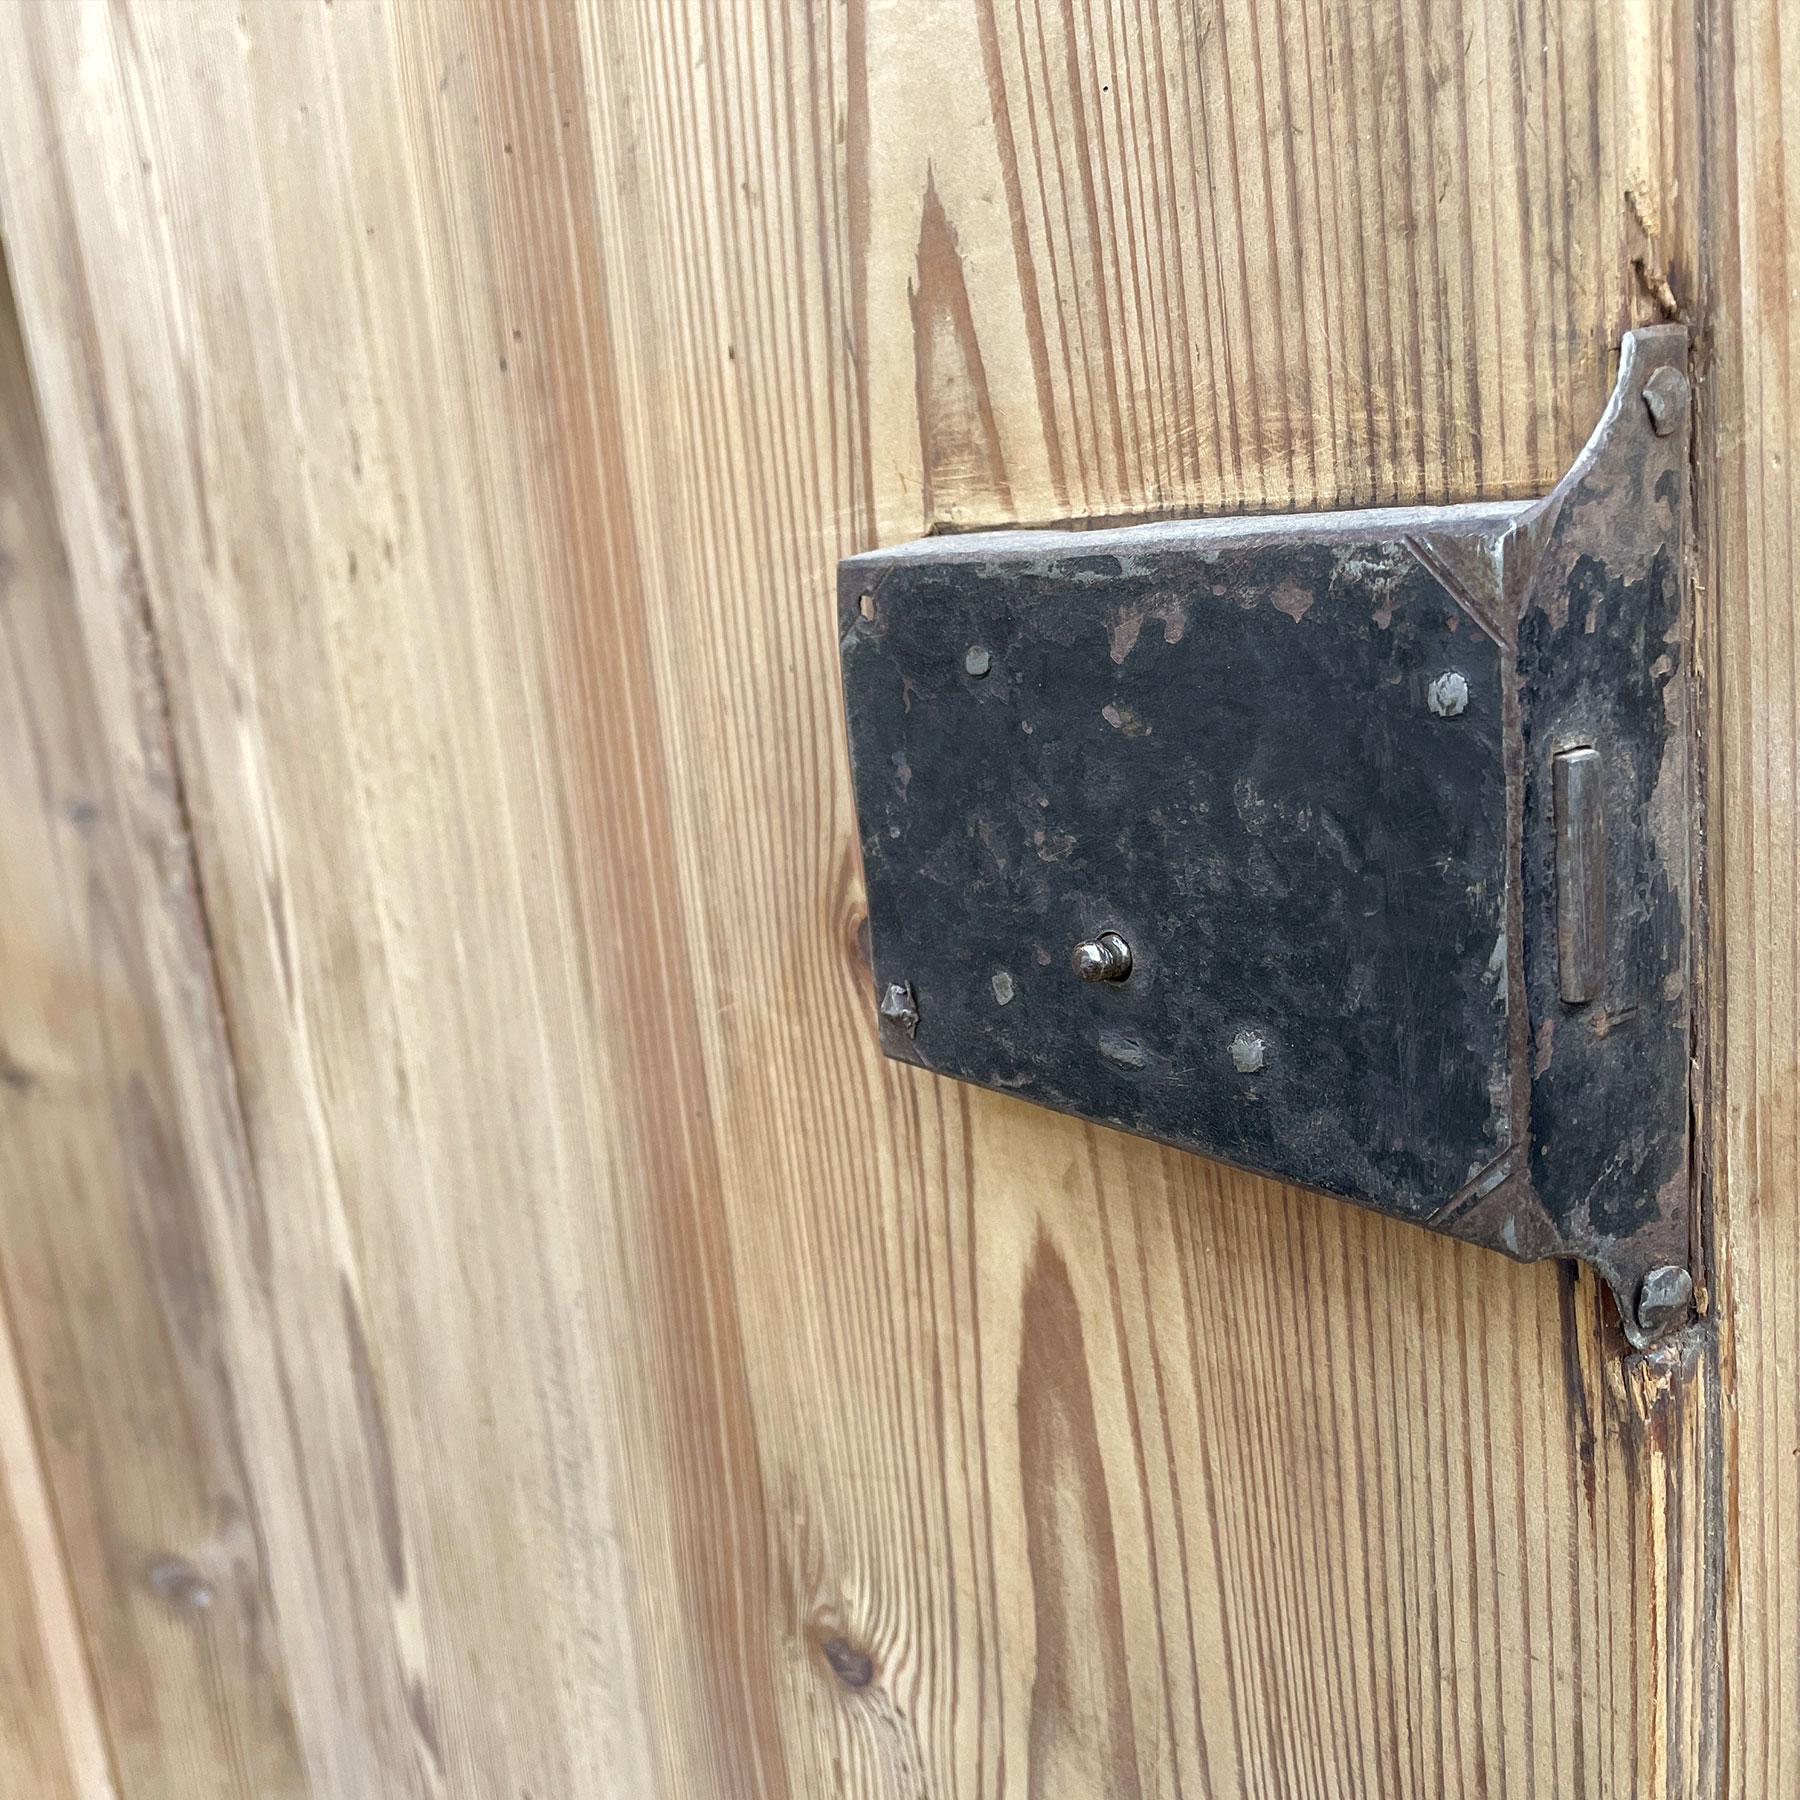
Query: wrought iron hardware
point(1349, 847)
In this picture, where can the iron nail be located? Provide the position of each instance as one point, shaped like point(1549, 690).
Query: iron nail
point(1666, 396)
point(1448, 696)
point(899, 1008)
point(1664, 1299)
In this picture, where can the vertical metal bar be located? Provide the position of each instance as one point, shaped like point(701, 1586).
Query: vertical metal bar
point(1580, 875)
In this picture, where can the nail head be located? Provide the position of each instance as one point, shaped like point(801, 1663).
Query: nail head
point(899, 1008)
point(1666, 396)
point(1448, 695)
point(1665, 1298)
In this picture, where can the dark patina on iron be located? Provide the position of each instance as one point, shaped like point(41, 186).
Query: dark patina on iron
point(1244, 834)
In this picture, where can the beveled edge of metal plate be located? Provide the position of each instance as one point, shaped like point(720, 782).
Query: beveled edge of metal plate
point(1616, 1064)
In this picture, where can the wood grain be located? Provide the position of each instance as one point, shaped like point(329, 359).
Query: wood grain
point(46, 1704)
point(50, 1742)
point(111, 1297)
point(1750, 439)
point(628, 1383)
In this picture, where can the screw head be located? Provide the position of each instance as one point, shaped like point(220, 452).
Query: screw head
point(1105, 958)
point(1448, 695)
point(977, 660)
point(899, 1008)
point(1664, 1299)
point(1666, 396)
point(1248, 1052)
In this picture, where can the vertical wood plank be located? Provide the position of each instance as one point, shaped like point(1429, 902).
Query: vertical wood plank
point(50, 1735)
point(424, 1309)
point(1340, 1510)
point(1750, 440)
point(105, 1277)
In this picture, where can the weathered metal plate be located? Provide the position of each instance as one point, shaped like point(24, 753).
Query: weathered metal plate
point(1218, 744)
point(1302, 766)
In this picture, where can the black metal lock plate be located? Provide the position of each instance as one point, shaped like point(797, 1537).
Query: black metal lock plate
point(1305, 774)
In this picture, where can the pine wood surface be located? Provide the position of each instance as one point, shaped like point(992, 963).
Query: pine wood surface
point(1749, 445)
point(58, 1166)
point(457, 1221)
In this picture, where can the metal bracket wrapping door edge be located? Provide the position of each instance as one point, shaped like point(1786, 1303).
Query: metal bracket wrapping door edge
point(1354, 848)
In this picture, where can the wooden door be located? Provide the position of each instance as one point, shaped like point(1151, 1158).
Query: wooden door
point(482, 1319)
